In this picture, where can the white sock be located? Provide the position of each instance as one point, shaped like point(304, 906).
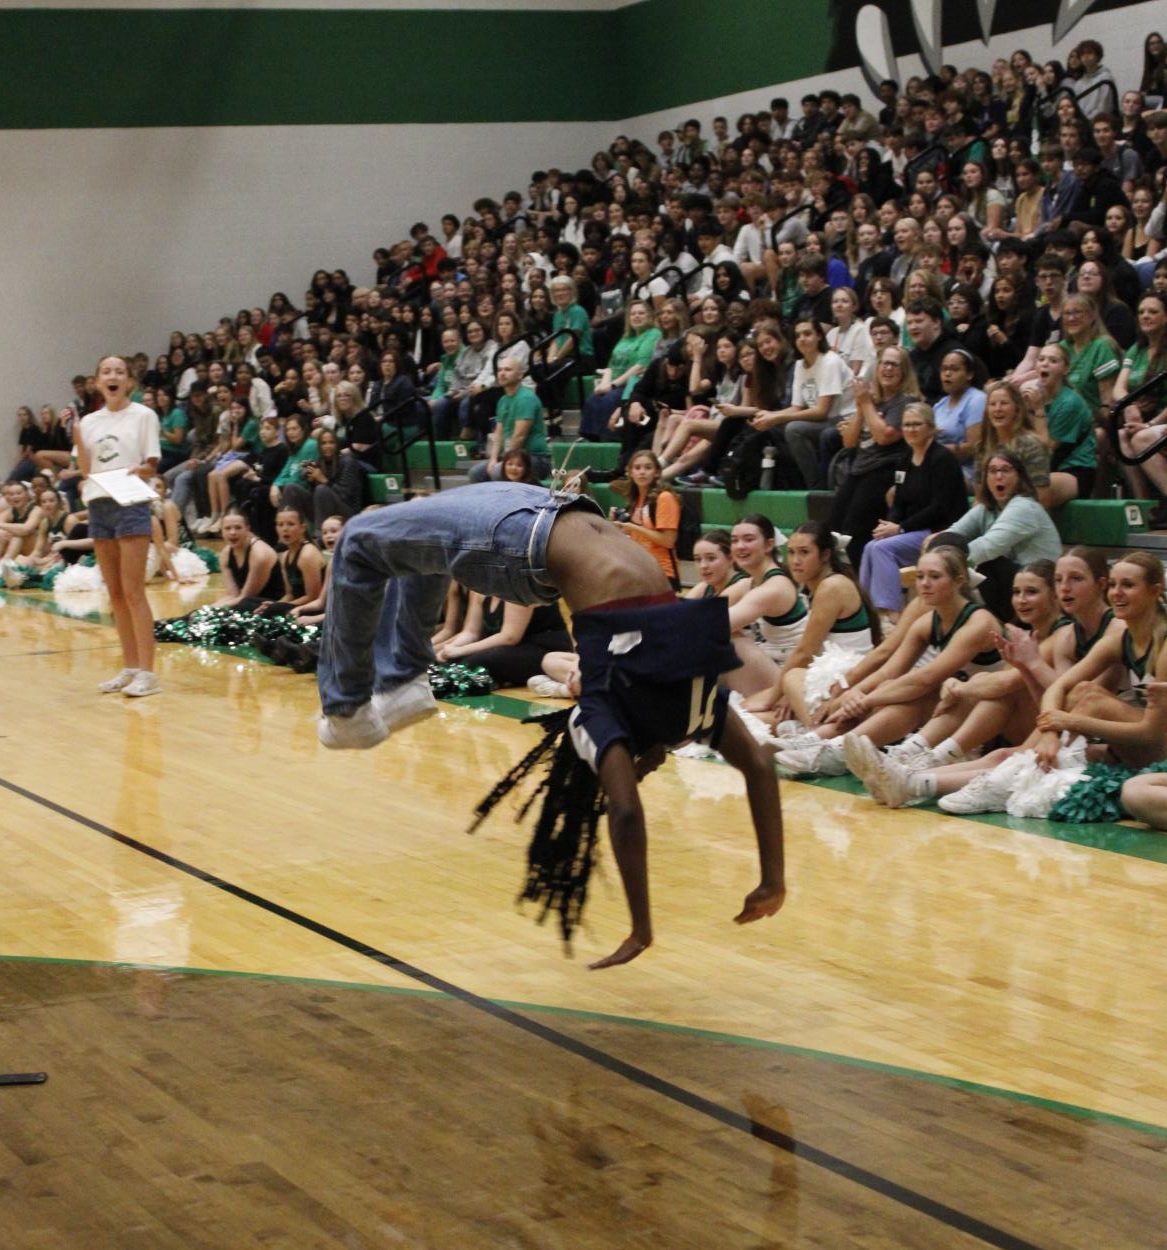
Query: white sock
point(917, 740)
point(948, 750)
point(922, 785)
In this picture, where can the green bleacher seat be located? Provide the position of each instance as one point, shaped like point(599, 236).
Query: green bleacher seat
point(597, 455)
point(786, 508)
point(384, 486)
point(606, 497)
point(418, 455)
point(578, 389)
point(1103, 522)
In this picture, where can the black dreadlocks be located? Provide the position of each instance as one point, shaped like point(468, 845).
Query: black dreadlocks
point(562, 848)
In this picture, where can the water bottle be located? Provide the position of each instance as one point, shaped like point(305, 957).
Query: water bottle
point(767, 480)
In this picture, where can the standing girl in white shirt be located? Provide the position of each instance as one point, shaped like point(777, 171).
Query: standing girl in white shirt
point(121, 435)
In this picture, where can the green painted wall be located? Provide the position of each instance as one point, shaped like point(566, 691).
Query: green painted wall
point(682, 50)
point(76, 68)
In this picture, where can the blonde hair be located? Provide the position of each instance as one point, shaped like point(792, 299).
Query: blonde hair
point(955, 565)
point(1095, 328)
point(1152, 568)
point(351, 390)
point(991, 441)
point(911, 383)
point(920, 409)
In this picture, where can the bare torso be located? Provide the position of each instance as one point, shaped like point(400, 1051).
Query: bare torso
point(592, 562)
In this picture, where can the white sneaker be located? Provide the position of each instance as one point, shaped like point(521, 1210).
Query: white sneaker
point(912, 755)
point(118, 683)
point(824, 759)
point(201, 526)
point(144, 684)
point(358, 732)
point(983, 794)
point(891, 784)
point(14, 577)
point(863, 759)
point(789, 729)
point(406, 704)
point(547, 688)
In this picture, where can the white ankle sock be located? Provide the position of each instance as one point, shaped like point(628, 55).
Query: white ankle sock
point(948, 750)
point(922, 785)
point(917, 740)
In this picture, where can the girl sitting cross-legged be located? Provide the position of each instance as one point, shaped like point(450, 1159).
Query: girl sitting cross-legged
point(954, 636)
point(1014, 698)
point(840, 617)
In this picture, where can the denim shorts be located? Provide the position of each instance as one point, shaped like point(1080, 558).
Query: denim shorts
point(109, 519)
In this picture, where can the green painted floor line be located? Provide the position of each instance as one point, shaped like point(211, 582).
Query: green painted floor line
point(1118, 839)
point(35, 600)
point(636, 1022)
point(25, 599)
point(1136, 843)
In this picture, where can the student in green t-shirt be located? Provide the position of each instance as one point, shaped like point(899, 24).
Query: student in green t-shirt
point(568, 315)
point(630, 358)
point(1069, 429)
point(1145, 421)
point(518, 423)
point(1094, 358)
point(174, 430)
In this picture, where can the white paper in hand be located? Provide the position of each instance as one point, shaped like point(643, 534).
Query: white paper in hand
point(124, 487)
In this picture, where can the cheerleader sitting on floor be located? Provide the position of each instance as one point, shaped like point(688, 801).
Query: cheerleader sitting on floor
point(953, 636)
point(841, 627)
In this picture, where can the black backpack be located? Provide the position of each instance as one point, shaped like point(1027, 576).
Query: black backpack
point(741, 466)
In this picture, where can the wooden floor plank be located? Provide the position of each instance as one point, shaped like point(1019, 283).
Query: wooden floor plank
point(911, 940)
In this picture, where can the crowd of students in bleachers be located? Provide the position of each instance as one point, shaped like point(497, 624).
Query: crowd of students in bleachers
point(942, 296)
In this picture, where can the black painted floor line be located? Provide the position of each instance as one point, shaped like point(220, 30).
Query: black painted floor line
point(872, 1181)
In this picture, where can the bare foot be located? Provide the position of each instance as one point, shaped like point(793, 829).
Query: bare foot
point(762, 902)
point(625, 953)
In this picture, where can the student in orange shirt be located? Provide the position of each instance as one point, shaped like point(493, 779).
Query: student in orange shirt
point(654, 515)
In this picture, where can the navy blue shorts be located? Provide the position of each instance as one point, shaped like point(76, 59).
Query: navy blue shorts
point(649, 676)
point(110, 519)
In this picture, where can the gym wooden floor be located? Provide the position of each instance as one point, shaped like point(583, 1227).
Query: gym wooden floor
point(284, 1000)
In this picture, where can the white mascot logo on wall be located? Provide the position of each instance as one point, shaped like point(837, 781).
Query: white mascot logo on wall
point(873, 35)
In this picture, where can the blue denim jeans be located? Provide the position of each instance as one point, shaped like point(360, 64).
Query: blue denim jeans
point(391, 568)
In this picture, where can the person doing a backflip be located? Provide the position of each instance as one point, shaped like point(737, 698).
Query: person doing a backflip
point(649, 669)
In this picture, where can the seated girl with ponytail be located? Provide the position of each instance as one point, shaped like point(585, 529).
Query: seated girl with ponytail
point(301, 564)
point(716, 571)
point(654, 515)
point(767, 615)
point(840, 627)
point(251, 568)
point(1080, 582)
point(1134, 734)
point(997, 704)
point(954, 636)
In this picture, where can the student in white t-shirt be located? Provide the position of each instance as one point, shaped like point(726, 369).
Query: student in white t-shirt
point(121, 435)
point(823, 395)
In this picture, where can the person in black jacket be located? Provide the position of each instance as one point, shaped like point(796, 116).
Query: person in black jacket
point(1099, 190)
point(931, 343)
point(930, 494)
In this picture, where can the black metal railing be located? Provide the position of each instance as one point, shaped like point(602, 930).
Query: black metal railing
point(404, 433)
point(1116, 426)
